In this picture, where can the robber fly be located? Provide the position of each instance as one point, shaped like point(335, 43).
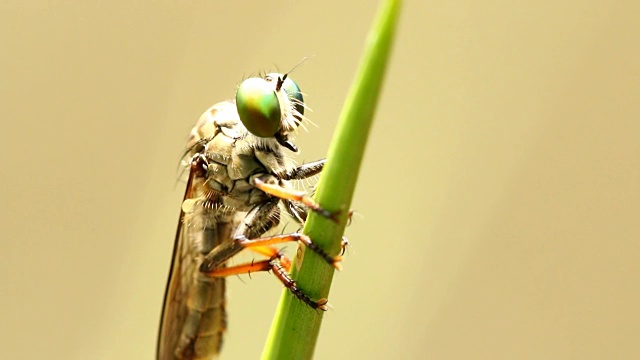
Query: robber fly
point(239, 180)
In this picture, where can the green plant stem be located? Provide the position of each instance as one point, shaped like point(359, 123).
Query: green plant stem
point(295, 328)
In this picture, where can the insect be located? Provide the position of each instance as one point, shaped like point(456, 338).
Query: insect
point(239, 181)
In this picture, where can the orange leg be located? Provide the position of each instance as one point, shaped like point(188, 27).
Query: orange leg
point(280, 273)
point(280, 239)
point(271, 253)
point(294, 195)
point(254, 266)
point(244, 239)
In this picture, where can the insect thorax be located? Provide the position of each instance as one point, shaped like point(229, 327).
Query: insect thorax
point(235, 157)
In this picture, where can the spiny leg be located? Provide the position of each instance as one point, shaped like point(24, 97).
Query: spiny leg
point(299, 213)
point(305, 170)
point(272, 252)
point(258, 221)
point(248, 268)
point(248, 233)
point(284, 238)
point(279, 271)
point(293, 195)
point(290, 284)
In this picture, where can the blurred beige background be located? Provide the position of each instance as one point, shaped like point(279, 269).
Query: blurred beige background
point(499, 197)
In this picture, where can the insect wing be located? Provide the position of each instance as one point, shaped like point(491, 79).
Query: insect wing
point(193, 315)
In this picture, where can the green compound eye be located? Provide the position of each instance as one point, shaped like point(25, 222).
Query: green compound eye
point(258, 107)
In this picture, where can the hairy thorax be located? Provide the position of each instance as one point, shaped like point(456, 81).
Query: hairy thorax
point(235, 158)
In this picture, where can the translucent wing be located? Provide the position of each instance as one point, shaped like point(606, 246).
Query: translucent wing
point(193, 316)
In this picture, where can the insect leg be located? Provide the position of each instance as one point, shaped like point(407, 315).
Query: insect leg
point(272, 252)
point(258, 221)
point(293, 195)
point(248, 233)
point(299, 213)
point(305, 170)
point(288, 282)
point(279, 271)
point(297, 237)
